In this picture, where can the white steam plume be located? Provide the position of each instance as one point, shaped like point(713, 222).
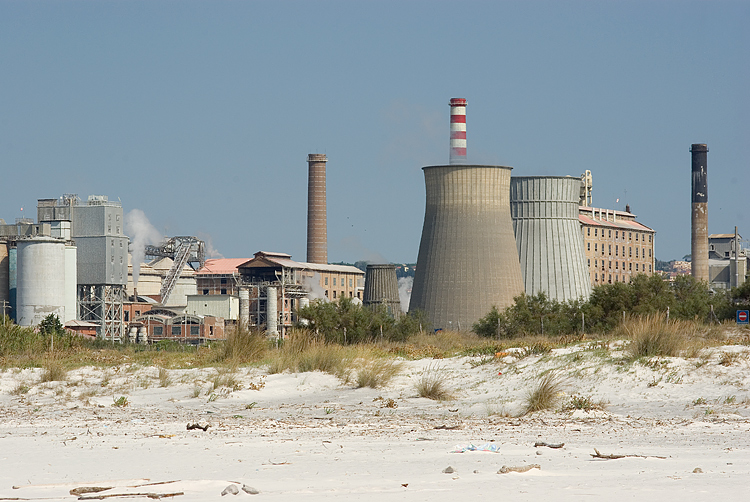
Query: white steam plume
point(315, 291)
point(404, 292)
point(142, 233)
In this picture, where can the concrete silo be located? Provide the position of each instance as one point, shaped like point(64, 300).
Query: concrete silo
point(467, 259)
point(41, 284)
point(544, 210)
point(381, 288)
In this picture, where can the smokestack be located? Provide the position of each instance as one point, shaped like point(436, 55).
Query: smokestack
point(699, 220)
point(458, 131)
point(317, 234)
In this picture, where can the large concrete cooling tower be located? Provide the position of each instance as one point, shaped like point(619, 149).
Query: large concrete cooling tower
point(467, 258)
point(699, 220)
point(317, 227)
point(381, 288)
point(544, 210)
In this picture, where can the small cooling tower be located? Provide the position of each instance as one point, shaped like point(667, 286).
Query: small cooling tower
point(467, 260)
point(381, 288)
point(544, 210)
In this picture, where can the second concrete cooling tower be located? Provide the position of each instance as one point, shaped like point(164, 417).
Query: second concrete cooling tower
point(548, 236)
point(467, 260)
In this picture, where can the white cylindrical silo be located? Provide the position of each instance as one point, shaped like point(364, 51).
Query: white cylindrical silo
point(244, 317)
point(548, 233)
point(272, 313)
point(40, 280)
point(71, 283)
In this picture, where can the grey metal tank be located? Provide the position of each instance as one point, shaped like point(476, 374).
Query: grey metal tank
point(467, 260)
point(381, 288)
point(549, 240)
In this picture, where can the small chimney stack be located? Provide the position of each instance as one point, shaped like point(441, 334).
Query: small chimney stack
point(458, 131)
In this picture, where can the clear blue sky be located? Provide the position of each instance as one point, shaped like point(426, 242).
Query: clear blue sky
point(202, 114)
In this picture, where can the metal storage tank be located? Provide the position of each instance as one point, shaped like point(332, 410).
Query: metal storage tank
point(544, 210)
point(467, 260)
point(381, 288)
point(40, 280)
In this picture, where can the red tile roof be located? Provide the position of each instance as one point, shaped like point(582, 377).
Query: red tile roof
point(222, 266)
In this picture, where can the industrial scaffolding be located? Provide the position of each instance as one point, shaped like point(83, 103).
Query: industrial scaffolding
point(102, 304)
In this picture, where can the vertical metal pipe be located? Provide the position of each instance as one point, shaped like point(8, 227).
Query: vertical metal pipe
point(699, 220)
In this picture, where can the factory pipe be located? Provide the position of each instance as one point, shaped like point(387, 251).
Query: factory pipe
point(317, 234)
point(458, 131)
point(699, 220)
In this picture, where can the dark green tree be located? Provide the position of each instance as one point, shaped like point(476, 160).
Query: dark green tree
point(51, 325)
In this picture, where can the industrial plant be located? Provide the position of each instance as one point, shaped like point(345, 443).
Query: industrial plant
point(487, 237)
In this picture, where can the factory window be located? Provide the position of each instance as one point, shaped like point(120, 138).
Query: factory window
point(137, 313)
point(649, 268)
point(351, 281)
point(636, 236)
point(610, 250)
point(334, 283)
point(350, 294)
point(194, 330)
point(649, 238)
point(176, 330)
point(223, 281)
point(326, 292)
point(588, 231)
point(596, 277)
point(127, 315)
point(334, 294)
point(636, 252)
point(617, 251)
point(649, 253)
point(326, 281)
point(342, 294)
point(610, 278)
point(223, 291)
point(205, 291)
point(630, 251)
point(610, 234)
point(359, 295)
point(596, 264)
point(610, 265)
point(596, 232)
point(636, 267)
point(630, 267)
point(588, 246)
point(589, 262)
point(617, 234)
point(158, 330)
point(630, 235)
point(617, 265)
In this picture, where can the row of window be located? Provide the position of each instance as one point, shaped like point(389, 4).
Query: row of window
point(617, 250)
point(638, 267)
point(617, 278)
point(359, 294)
point(618, 233)
point(341, 282)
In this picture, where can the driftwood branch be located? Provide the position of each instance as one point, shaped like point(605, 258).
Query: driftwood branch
point(204, 428)
point(132, 495)
point(549, 445)
point(505, 469)
point(615, 456)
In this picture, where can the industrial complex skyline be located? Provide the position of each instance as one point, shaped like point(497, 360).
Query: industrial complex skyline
point(202, 114)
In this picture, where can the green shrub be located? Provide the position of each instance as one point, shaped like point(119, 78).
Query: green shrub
point(546, 395)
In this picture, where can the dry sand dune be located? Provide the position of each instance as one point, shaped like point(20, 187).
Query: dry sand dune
point(308, 436)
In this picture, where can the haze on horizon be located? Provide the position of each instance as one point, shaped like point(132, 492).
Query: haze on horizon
point(201, 114)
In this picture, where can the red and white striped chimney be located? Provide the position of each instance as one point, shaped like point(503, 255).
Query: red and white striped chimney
point(458, 131)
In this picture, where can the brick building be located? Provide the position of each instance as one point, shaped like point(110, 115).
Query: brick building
point(617, 247)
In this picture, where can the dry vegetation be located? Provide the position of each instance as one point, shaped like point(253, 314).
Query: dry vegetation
point(546, 395)
point(432, 385)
